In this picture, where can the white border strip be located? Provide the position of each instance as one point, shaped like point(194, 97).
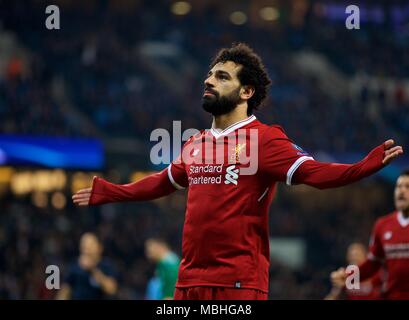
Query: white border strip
point(214, 132)
point(239, 124)
point(404, 222)
point(175, 184)
point(295, 166)
point(233, 127)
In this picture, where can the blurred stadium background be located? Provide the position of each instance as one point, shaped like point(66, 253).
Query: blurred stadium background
point(84, 99)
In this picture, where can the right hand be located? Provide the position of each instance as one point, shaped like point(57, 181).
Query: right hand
point(81, 198)
point(338, 278)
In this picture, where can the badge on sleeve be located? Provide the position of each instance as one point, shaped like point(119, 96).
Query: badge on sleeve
point(300, 152)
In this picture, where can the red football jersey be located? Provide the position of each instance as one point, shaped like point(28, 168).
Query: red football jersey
point(225, 236)
point(231, 175)
point(390, 245)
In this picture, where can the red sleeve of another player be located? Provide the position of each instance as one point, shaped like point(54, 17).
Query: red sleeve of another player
point(280, 157)
point(376, 255)
point(375, 244)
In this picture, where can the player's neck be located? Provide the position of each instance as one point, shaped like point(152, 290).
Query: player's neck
point(223, 121)
point(405, 213)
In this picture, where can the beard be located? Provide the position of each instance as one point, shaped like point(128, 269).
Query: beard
point(218, 105)
point(401, 205)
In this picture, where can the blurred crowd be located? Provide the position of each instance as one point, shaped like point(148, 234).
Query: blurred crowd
point(93, 69)
point(97, 52)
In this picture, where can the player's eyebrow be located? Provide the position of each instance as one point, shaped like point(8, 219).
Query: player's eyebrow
point(219, 73)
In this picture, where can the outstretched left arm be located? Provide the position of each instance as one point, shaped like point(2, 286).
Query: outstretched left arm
point(330, 175)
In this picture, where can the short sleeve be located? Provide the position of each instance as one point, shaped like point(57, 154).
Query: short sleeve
point(168, 273)
point(280, 157)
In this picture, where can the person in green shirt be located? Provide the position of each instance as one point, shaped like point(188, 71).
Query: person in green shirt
point(167, 267)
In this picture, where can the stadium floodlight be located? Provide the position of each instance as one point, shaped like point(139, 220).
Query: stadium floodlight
point(181, 8)
point(238, 17)
point(269, 13)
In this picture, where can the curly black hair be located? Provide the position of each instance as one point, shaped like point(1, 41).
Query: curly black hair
point(253, 71)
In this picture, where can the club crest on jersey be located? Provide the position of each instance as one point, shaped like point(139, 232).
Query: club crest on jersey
point(300, 152)
point(237, 150)
point(387, 235)
point(195, 152)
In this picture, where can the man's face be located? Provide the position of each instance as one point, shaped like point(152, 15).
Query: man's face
point(402, 193)
point(222, 88)
point(356, 254)
point(90, 246)
point(151, 250)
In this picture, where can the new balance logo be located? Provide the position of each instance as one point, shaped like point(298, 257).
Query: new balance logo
point(232, 174)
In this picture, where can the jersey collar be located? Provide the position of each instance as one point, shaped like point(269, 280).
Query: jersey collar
point(404, 222)
point(218, 133)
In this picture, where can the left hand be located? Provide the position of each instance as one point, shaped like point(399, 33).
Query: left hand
point(391, 152)
point(82, 197)
point(338, 278)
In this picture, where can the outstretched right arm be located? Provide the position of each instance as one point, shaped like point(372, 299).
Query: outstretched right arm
point(151, 187)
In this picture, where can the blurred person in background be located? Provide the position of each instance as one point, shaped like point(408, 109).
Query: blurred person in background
point(389, 247)
point(162, 285)
point(92, 277)
point(370, 289)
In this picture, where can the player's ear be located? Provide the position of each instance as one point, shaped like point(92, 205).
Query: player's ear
point(246, 92)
